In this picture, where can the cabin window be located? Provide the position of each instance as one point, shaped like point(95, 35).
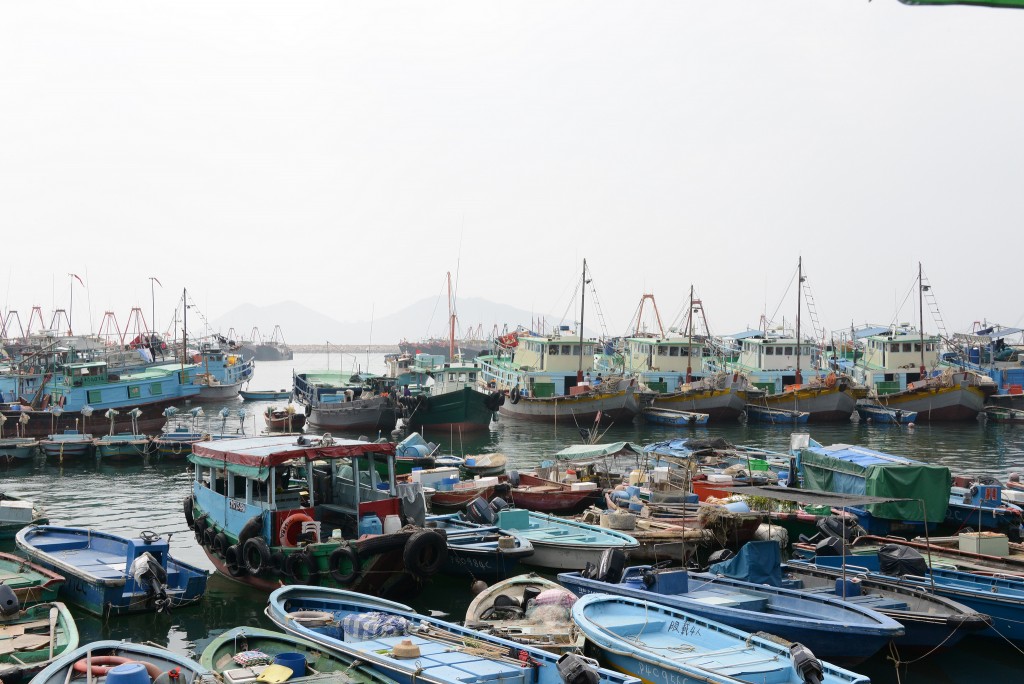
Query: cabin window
point(462, 377)
point(134, 392)
point(929, 346)
point(451, 377)
point(566, 350)
point(553, 350)
point(684, 352)
point(769, 351)
point(575, 350)
point(472, 377)
point(662, 351)
point(789, 351)
point(155, 389)
point(917, 346)
point(673, 351)
point(183, 377)
point(894, 347)
point(94, 396)
point(906, 346)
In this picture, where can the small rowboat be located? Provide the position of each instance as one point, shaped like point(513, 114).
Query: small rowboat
point(31, 638)
point(876, 413)
point(775, 416)
point(999, 414)
point(16, 513)
point(17, 450)
point(284, 419)
point(479, 551)
point(530, 610)
point(485, 464)
point(31, 583)
point(562, 544)
point(126, 658)
point(653, 415)
point(265, 395)
point(122, 447)
point(547, 496)
point(68, 444)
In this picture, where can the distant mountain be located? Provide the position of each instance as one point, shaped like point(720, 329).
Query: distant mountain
point(425, 318)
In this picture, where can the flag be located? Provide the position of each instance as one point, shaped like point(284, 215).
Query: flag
point(77, 278)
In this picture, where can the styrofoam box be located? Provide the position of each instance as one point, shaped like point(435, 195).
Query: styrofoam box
point(583, 486)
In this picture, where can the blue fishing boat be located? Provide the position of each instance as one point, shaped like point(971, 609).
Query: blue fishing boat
point(560, 543)
point(663, 645)
point(775, 416)
point(1001, 598)
point(265, 395)
point(17, 450)
point(883, 415)
point(221, 373)
point(122, 446)
point(31, 637)
point(306, 510)
point(833, 629)
point(481, 551)
point(108, 574)
point(126, 662)
point(652, 415)
point(412, 648)
point(68, 444)
point(177, 443)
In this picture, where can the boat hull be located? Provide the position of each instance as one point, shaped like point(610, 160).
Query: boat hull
point(620, 406)
point(31, 583)
point(30, 660)
point(17, 450)
point(956, 403)
point(44, 423)
point(134, 450)
point(824, 404)
point(215, 392)
point(370, 415)
point(719, 404)
point(460, 411)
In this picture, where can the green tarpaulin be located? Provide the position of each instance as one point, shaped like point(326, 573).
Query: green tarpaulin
point(578, 451)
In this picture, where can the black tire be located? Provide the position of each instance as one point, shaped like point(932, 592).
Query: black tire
point(425, 554)
point(189, 520)
point(276, 566)
point(514, 395)
point(252, 528)
point(256, 555)
point(344, 556)
point(220, 543)
point(200, 529)
point(301, 567)
point(233, 561)
point(208, 537)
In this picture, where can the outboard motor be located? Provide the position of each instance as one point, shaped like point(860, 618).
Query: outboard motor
point(806, 665)
point(611, 566)
point(150, 575)
point(574, 669)
point(498, 504)
point(720, 556)
point(830, 546)
point(513, 478)
point(480, 512)
point(9, 604)
point(898, 560)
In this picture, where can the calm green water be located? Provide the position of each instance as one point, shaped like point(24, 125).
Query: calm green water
point(128, 499)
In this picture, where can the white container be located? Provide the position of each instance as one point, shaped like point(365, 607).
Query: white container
point(988, 543)
point(583, 486)
point(717, 478)
point(433, 476)
point(392, 524)
point(489, 481)
point(16, 511)
point(660, 474)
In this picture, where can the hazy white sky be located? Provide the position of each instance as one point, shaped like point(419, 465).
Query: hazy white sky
point(347, 154)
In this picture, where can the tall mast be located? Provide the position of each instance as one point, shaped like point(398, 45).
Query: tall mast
point(799, 286)
point(184, 326)
point(920, 310)
point(451, 322)
point(583, 299)
point(689, 341)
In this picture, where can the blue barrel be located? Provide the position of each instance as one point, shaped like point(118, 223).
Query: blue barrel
point(128, 673)
point(851, 585)
point(296, 662)
point(370, 524)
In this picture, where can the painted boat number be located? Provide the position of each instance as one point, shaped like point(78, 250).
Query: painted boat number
point(236, 505)
point(685, 628)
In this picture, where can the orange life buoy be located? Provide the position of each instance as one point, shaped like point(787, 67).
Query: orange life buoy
point(293, 521)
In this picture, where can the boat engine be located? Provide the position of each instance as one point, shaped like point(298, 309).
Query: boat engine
point(807, 666)
point(9, 604)
point(149, 574)
point(577, 670)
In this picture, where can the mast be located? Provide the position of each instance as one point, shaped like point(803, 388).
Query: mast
point(451, 322)
point(583, 299)
point(920, 311)
point(799, 286)
point(689, 340)
point(184, 328)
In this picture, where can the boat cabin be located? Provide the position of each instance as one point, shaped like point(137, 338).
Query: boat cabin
point(544, 366)
point(332, 482)
point(892, 360)
point(662, 362)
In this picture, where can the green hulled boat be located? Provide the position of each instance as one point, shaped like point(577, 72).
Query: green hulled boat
point(31, 583)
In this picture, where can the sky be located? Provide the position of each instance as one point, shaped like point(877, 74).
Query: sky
point(348, 154)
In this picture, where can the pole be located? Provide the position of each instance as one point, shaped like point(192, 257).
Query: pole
point(451, 322)
point(689, 342)
point(920, 309)
point(799, 286)
point(71, 304)
point(583, 298)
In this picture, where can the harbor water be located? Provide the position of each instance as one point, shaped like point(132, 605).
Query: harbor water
point(127, 499)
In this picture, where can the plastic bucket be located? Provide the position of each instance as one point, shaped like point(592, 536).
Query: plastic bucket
point(128, 673)
point(392, 524)
point(296, 662)
point(370, 524)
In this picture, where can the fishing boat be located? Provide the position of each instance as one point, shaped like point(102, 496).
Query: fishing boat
point(177, 443)
point(284, 418)
point(527, 609)
point(265, 395)
point(339, 401)
point(835, 630)
point(16, 513)
point(124, 446)
point(111, 575)
point(275, 509)
point(413, 648)
point(652, 415)
point(18, 450)
point(480, 551)
point(664, 645)
point(997, 414)
point(990, 350)
point(561, 544)
point(221, 373)
point(484, 465)
point(243, 654)
point(542, 495)
point(871, 412)
point(1001, 598)
point(775, 416)
point(31, 583)
point(32, 637)
point(68, 444)
point(461, 494)
point(125, 661)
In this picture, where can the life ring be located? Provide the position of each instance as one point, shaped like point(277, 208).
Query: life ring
point(293, 521)
point(338, 558)
point(514, 395)
point(425, 554)
point(233, 561)
point(830, 380)
point(220, 543)
point(301, 567)
point(256, 555)
point(101, 665)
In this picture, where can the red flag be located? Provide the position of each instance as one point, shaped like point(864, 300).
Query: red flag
point(77, 278)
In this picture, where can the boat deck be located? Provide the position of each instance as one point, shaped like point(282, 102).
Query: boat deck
point(872, 601)
point(444, 661)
